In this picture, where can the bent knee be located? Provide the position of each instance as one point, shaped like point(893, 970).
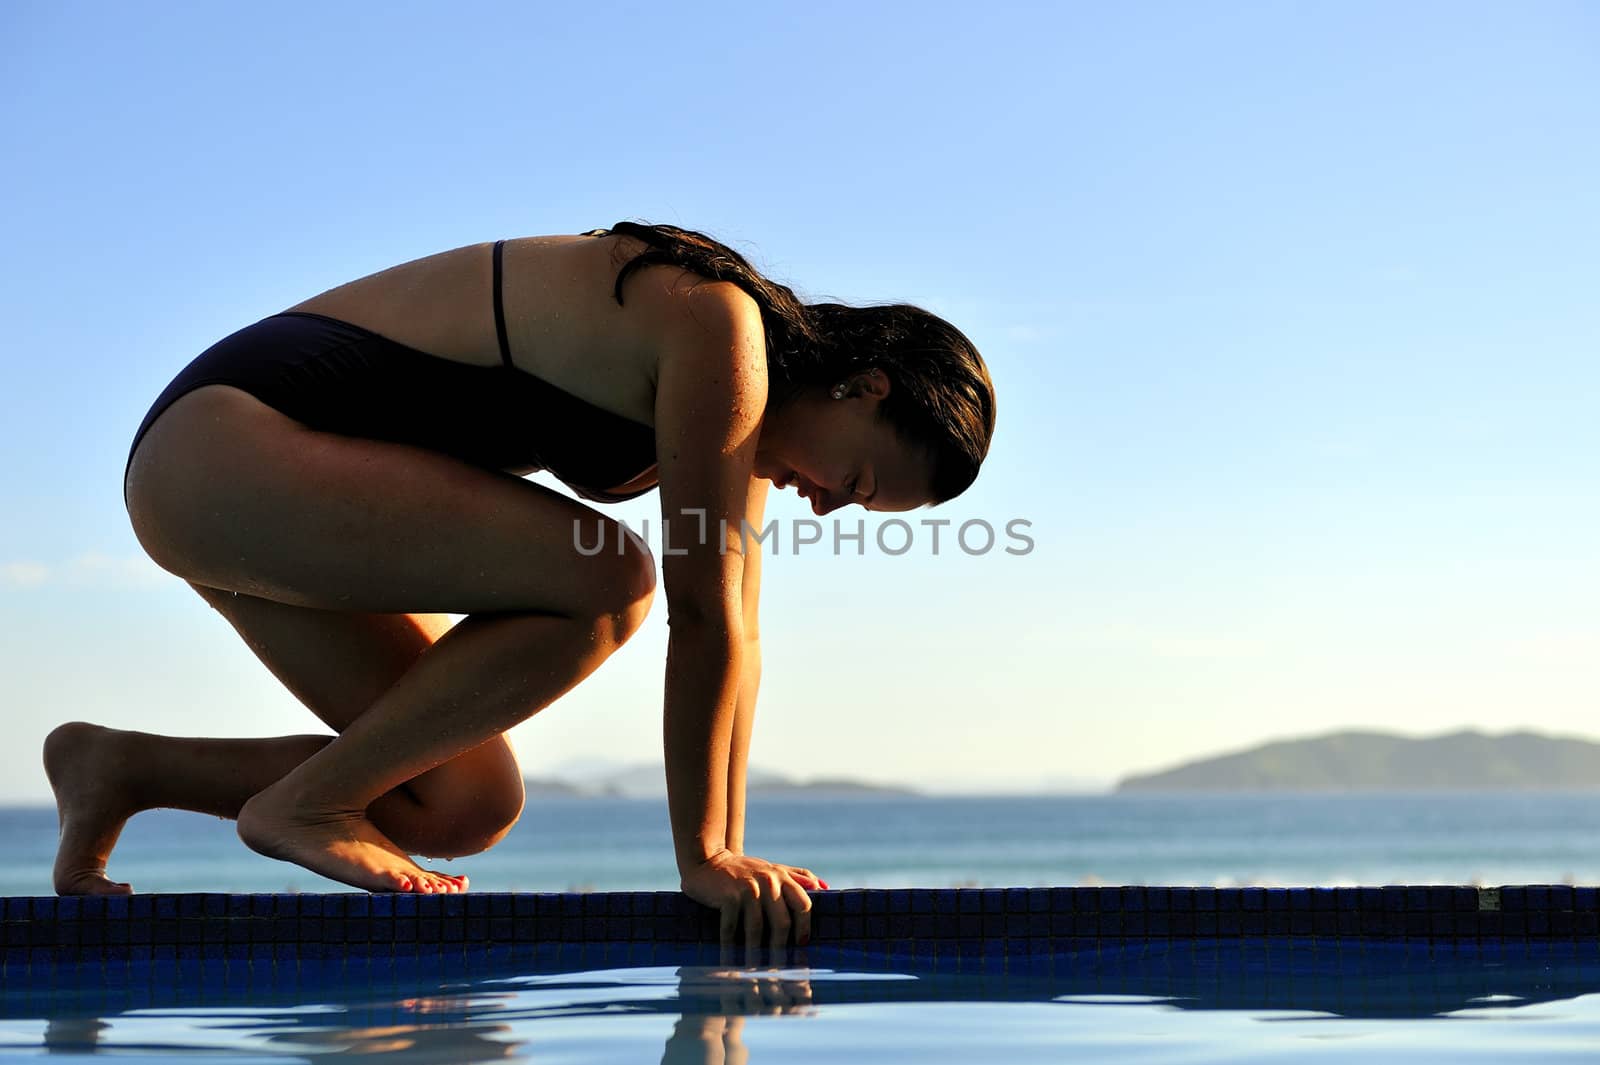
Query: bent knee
point(621, 600)
point(469, 830)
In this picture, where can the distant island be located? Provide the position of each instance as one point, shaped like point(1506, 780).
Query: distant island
point(1376, 761)
point(649, 781)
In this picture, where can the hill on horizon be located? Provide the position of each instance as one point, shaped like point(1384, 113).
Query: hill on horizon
point(592, 777)
point(1467, 760)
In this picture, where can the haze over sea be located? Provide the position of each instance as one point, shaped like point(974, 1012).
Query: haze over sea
point(615, 844)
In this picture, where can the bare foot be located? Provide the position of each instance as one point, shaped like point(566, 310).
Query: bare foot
point(85, 765)
point(341, 845)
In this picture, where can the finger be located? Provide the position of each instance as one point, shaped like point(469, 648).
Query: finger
point(805, 877)
point(795, 897)
point(752, 916)
point(777, 910)
point(730, 923)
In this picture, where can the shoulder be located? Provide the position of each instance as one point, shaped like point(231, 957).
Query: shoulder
point(712, 331)
point(679, 299)
point(705, 325)
point(711, 366)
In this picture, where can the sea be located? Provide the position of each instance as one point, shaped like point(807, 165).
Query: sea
point(624, 844)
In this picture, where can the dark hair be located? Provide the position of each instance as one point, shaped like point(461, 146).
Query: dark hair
point(942, 399)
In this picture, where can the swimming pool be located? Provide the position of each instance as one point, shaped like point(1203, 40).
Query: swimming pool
point(981, 975)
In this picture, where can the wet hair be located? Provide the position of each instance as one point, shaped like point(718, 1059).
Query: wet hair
point(942, 399)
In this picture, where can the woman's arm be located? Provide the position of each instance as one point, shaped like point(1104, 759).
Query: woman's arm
point(710, 394)
point(750, 667)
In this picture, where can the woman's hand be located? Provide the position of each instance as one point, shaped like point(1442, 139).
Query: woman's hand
point(766, 894)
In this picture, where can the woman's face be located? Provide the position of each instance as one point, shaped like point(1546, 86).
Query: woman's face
point(834, 451)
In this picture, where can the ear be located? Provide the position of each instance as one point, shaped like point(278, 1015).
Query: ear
point(870, 382)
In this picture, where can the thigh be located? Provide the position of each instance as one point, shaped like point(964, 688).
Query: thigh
point(229, 493)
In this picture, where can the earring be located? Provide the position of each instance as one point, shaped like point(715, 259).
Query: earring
point(838, 391)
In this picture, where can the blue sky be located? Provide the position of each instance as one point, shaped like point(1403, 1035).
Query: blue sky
point(1290, 309)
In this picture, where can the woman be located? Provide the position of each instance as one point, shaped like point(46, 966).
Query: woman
point(336, 477)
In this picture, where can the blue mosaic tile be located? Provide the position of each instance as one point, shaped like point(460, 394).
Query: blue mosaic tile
point(195, 927)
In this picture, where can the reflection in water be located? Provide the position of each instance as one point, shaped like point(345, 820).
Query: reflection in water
point(441, 1042)
point(714, 1002)
point(707, 990)
point(444, 1031)
point(495, 1004)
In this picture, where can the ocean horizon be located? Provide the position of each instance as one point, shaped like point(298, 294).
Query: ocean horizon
point(594, 843)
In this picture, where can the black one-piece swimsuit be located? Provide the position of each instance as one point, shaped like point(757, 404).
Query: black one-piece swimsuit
point(338, 377)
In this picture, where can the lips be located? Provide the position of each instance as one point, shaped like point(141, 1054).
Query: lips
point(807, 491)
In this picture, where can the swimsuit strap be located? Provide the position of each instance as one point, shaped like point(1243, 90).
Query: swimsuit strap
point(499, 308)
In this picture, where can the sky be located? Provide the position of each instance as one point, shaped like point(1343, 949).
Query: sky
point(1290, 311)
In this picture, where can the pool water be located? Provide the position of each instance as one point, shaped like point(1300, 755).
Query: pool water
point(1176, 1001)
